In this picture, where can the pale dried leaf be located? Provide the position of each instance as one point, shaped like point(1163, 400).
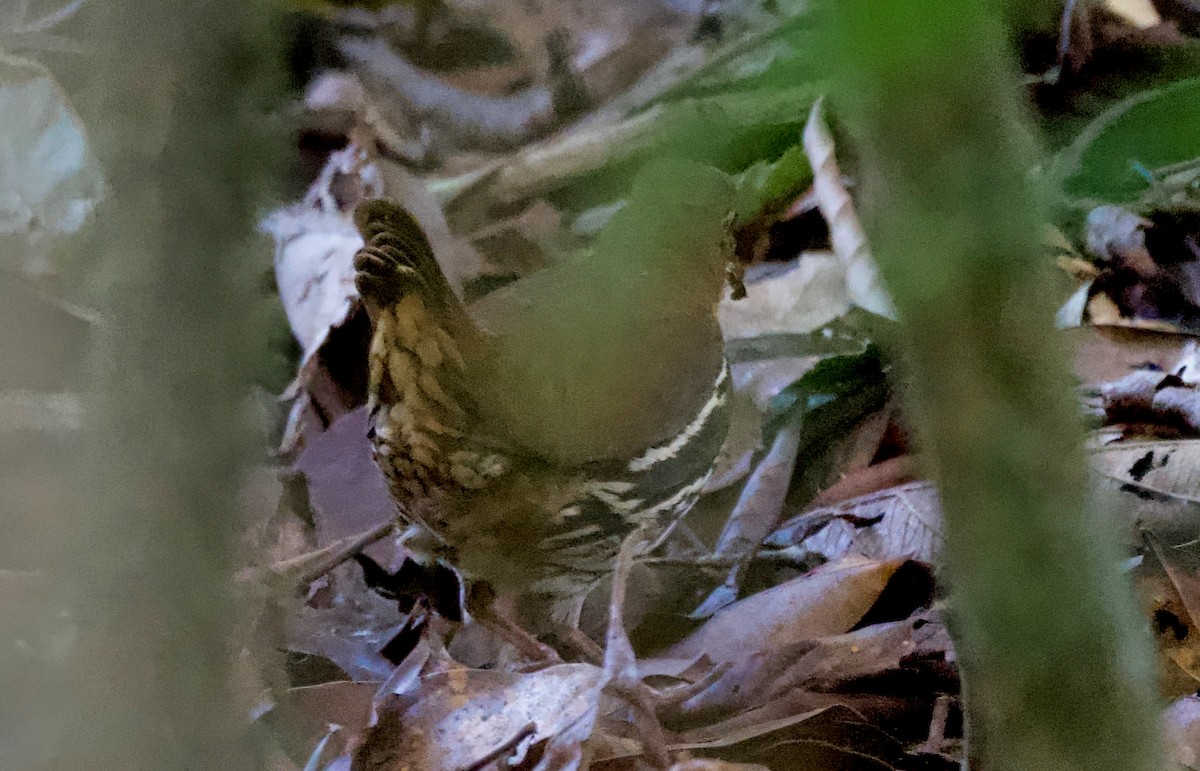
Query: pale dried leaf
point(1139, 13)
point(462, 715)
point(314, 271)
point(1181, 727)
point(799, 298)
point(826, 601)
point(901, 522)
point(49, 179)
point(1071, 313)
point(864, 287)
point(1170, 469)
point(350, 633)
point(706, 764)
point(1151, 487)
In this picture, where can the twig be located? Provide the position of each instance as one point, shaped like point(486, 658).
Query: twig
point(315, 564)
point(474, 120)
point(937, 725)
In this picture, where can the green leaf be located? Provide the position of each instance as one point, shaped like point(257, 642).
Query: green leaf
point(731, 132)
point(775, 58)
point(766, 186)
point(831, 379)
point(1109, 158)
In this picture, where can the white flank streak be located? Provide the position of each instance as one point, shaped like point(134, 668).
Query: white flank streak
point(572, 535)
point(679, 497)
point(668, 450)
point(566, 513)
point(616, 502)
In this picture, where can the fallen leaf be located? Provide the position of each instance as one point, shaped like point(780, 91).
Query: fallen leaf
point(1139, 13)
point(314, 271)
point(832, 737)
point(863, 284)
point(1106, 353)
point(901, 522)
point(826, 601)
point(1156, 484)
point(49, 179)
point(1181, 726)
point(705, 764)
point(351, 632)
point(801, 297)
point(348, 491)
point(456, 718)
point(310, 710)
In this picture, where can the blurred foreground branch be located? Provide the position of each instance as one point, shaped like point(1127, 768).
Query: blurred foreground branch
point(1057, 671)
point(166, 440)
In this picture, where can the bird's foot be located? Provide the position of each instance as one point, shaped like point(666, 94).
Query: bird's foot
point(620, 662)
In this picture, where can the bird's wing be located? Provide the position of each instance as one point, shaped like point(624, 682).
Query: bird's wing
point(607, 353)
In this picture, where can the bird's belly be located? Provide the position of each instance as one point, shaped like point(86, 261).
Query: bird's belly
point(524, 524)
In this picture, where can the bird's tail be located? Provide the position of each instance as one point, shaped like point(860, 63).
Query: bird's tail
point(420, 344)
point(397, 261)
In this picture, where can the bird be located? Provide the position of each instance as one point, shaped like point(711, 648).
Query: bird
point(525, 437)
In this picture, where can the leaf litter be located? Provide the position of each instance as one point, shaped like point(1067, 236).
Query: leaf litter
point(825, 646)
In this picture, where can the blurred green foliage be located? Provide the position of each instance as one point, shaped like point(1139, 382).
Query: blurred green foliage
point(1108, 161)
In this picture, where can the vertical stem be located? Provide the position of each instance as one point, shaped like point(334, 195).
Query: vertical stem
point(166, 438)
point(1056, 660)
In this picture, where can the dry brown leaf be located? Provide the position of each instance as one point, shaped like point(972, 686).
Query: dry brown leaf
point(867, 480)
point(836, 659)
point(456, 718)
point(1176, 616)
point(864, 287)
point(705, 764)
point(1181, 727)
point(761, 502)
point(833, 736)
point(350, 632)
point(1175, 635)
point(1107, 353)
point(797, 298)
point(826, 601)
point(311, 710)
point(347, 491)
point(1156, 483)
point(765, 674)
point(902, 522)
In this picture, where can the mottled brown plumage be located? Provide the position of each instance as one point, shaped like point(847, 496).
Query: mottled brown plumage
point(529, 435)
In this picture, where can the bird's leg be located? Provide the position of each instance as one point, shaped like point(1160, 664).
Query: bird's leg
point(484, 606)
point(586, 647)
point(620, 662)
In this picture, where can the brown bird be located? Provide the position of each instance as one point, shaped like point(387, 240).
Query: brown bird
point(526, 436)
